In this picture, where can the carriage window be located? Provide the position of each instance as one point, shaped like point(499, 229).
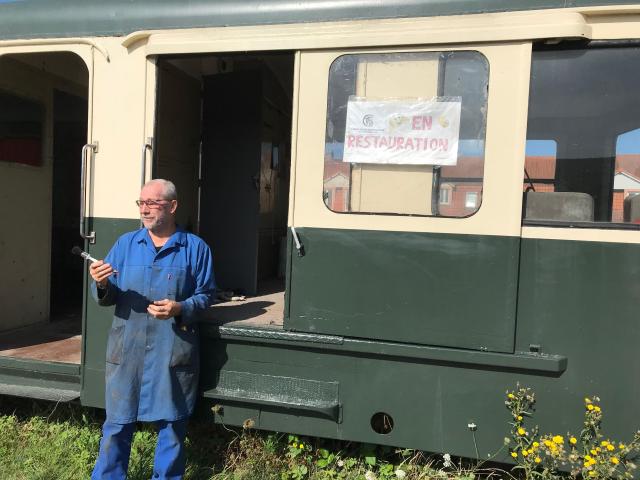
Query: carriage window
point(583, 104)
point(405, 133)
point(21, 124)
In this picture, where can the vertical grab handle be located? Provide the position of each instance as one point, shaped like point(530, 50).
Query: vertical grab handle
point(87, 152)
point(146, 147)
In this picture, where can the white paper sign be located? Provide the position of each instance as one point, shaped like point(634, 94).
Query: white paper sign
point(413, 132)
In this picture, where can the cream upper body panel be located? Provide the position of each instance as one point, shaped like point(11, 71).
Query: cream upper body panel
point(122, 90)
point(504, 147)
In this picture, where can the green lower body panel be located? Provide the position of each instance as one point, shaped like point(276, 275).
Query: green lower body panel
point(356, 344)
point(430, 289)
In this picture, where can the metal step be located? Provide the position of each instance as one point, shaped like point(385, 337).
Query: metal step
point(54, 381)
point(316, 397)
point(40, 393)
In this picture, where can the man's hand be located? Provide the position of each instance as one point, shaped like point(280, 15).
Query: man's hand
point(163, 309)
point(100, 272)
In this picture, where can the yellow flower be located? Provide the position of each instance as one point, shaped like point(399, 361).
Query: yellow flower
point(536, 444)
point(590, 407)
point(548, 443)
point(587, 401)
point(597, 408)
point(573, 440)
point(615, 460)
point(558, 439)
point(525, 453)
point(604, 443)
point(511, 396)
point(592, 473)
point(514, 454)
point(538, 460)
point(593, 451)
point(611, 448)
point(301, 446)
point(519, 418)
point(621, 446)
point(587, 458)
point(521, 431)
point(295, 445)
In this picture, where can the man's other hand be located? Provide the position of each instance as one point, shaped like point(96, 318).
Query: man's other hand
point(100, 272)
point(163, 309)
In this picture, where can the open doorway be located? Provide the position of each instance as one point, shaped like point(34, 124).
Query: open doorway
point(43, 126)
point(223, 136)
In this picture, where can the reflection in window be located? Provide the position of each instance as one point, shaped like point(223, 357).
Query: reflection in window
point(419, 176)
point(626, 182)
point(21, 124)
point(583, 104)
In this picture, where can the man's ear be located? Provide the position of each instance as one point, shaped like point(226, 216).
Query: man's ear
point(174, 206)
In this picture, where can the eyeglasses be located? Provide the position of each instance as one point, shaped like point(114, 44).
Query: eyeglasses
point(152, 203)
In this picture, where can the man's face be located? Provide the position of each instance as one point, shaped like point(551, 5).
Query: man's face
point(156, 216)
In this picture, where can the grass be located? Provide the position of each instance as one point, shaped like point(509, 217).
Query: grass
point(42, 441)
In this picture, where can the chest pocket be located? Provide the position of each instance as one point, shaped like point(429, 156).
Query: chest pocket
point(167, 282)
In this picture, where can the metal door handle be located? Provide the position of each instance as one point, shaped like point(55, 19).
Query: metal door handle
point(146, 147)
point(87, 151)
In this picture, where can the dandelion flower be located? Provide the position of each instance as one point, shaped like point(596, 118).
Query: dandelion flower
point(525, 453)
point(621, 446)
point(587, 401)
point(519, 418)
point(597, 409)
point(514, 454)
point(558, 439)
point(521, 431)
point(590, 407)
point(301, 446)
point(511, 396)
point(537, 460)
point(611, 448)
point(615, 460)
point(573, 440)
point(536, 444)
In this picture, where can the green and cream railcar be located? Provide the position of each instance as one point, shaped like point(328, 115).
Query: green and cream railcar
point(390, 300)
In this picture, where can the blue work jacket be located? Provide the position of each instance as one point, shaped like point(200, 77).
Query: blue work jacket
point(152, 365)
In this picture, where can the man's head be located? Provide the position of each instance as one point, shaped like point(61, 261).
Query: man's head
point(158, 203)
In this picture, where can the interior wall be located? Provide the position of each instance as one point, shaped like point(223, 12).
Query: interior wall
point(178, 138)
point(25, 203)
point(243, 129)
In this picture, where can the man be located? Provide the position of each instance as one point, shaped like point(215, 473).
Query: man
point(159, 278)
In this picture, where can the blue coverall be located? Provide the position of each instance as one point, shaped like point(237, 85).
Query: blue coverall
point(152, 365)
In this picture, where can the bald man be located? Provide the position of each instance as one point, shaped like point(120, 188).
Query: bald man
point(159, 278)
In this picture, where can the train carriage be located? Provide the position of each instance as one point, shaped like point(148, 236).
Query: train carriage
point(422, 203)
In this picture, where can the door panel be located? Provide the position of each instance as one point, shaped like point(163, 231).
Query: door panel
point(415, 276)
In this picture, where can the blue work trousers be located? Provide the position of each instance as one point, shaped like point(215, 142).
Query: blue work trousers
point(115, 448)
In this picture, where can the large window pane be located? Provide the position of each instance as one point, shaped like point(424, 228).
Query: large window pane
point(405, 133)
point(583, 149)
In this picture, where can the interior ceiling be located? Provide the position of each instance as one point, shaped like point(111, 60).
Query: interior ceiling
point(280, 64)
point(61, 64)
